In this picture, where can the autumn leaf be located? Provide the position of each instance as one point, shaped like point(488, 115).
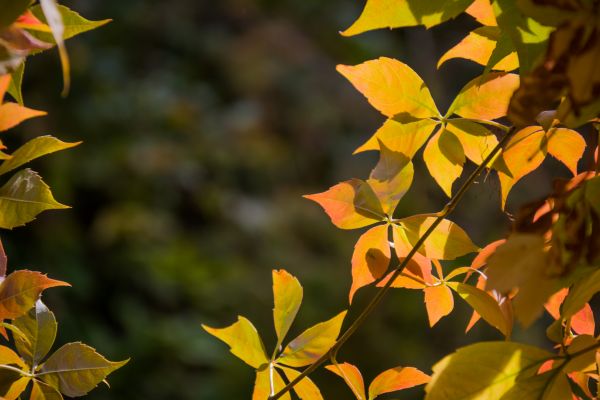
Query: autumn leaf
point(11, 11)
point(39, 326)
point(43, 391)
point(287, 296)
point(395, 379)
point(438, 302)
point(582, 322)
point(483, 12)
point(416, 274)
point(306, 388)
point(352, 376)
point(392, 87)
point(37, 147)
point(580, 294)
point(74, 24)
point(476, 140)
point(405, 138)
point(444, 157)
point(370, 259)
point(262, 385)
point(12, 114)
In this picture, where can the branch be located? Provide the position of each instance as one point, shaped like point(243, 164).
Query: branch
point(448, 208)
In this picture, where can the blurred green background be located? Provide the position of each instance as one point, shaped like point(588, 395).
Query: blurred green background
point(203, 124)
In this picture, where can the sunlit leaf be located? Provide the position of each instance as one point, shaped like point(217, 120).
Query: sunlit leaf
point(243, 340)
point(76, 368)
point(287, 295)
point(439, 302)
point(392, 87)
point(306, 388)
point(405, 138)
point(485, 97)
point(370, 259)
point(21, 289)
point(477, 141)
point(582, 322)
point(444, 157)
point(485, 305)
point(43, 391)
point(23, 197)
point(39, 327)
point(350, 204)
point(379, 14)
point(12, 114)
point(447, 241)
point(33, 149)
point(262, 385)
point(481, 259)
point(551, 385)
point(395, 379)
point(483, 371)
point(483, 12)
point(416, 274)
point(478, 46)
point(567, 146)
point(73, 23)
point(312, 343)
point(352, 376)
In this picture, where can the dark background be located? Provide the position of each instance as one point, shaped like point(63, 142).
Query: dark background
point(203, 124)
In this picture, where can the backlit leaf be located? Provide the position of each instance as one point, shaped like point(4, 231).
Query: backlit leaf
point(582, 322)
point(42, 391)
point(306, 388)
point(447, 241)
point(23, 197)
point(392, 87)
point(243, 340)
point(416, 274)
point(312, 343)
point(352, 376)
point(76, 368)
point(405, 138)
point(483, 371)
point(581, 293)
point(476, 140)
point(485, 305)
point(73, 23)
point(33, 149)
point(395, 379)
point(21, 289)
point(370, 259)
point(262, 385)
point(39, 327)
point(483, 12)
point(287, 295)
point(351, 204)
point(12, 114)
point(567, 146)
point(379, 14)
point(478, 46)
point(444, 157)
point(439, 302)
point(485, 97)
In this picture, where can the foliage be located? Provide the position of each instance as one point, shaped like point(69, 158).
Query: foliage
point(74, 369)
point(549, 261)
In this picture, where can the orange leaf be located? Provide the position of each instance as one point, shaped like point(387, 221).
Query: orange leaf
point(350, 204)
point(352, 376)
point(405, 138)
point(478, 46)
point(20, 290)
point(416, 274)
point(567, 146)
point(392, 87)
point(439, 302)
point(444, 157)
point(4, 83)
point(481, 259)
point(287, 296)
point(12, 114)
point(483, 12)
point(370, 259)
point(475, 316)
point(582, 322)
point(395, 379)
point(485, 97)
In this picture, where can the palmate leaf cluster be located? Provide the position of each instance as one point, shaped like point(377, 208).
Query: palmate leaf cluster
point(28, 367)
point(539, 85)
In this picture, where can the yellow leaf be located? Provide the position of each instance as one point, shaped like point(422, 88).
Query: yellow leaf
point(567, 146)
point(484, 304)
point(370, 259)
point(444, 157)
point(483, 12)
point(262, 385)
point(476, 140)
point(287, 296)
point(306, 388)
point(405, 138)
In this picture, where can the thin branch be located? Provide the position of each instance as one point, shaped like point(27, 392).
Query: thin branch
point(450, 206)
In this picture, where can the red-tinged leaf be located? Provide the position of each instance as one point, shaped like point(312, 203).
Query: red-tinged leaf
point(583, 381)
point(439, 302)
point(20, 290)
point(524, 153)
point(243, 341)
point(582, 322)
point(405, 138)
point(478, 46)
point(391, 178)
point(352, 376)
point(287, 295)
point(485, 97)
point(476, 140)
point(13, 390)
point(9, 357)
point(447, 241)
point(312, 343)
point(481, 259)
point(392, 87)
point(306, 388)
point(567, 146)
point(395, 379)
point(12, 114)
point(485, 305)
point(444, 157)
point(483, 12)
point(416, 274)
point(42, 391)
point(370, 259)
point(262, 385)
point(379, 14)
point(351, 204)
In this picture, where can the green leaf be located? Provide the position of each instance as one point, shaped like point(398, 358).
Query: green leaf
point(379, 14)
point(287, 295)
point(484, 304)
point(16, 81)
point(551, 385)
point(39, 327)
point(23, 197)
point(42, 391)
point(75, 369)
point(312, 343)
point(73, 23)
point(483, 371)
point(10, 10)
point(37, 147)
point(243, 340)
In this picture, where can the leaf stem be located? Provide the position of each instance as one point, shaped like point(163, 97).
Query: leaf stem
point(448, 208)
point(484, 122)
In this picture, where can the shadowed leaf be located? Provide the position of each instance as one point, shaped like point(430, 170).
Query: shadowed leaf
point(484, 304)
point(39, 327)
point(444, 157)
point(42, 391)
point(370, 259)
point(391, 178)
